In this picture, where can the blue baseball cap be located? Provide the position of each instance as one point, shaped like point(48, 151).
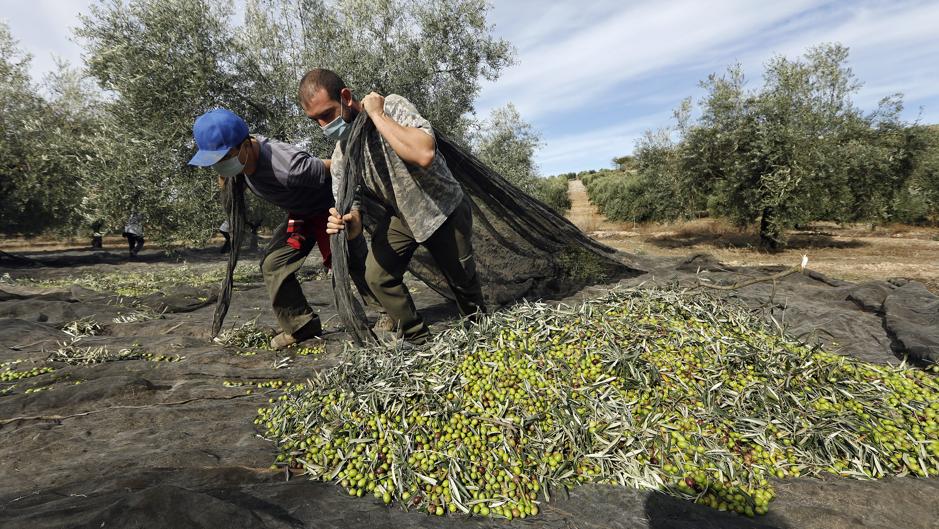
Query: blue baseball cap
point(217, 132)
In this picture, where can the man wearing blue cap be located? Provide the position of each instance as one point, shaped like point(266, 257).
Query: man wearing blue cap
point(288, 177)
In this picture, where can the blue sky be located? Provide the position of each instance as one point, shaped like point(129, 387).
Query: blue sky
point(591, 76)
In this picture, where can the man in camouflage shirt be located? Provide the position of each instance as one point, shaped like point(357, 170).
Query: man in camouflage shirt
point(425, 204)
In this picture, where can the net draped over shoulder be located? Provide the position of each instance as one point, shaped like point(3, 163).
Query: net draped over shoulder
point(523, 248)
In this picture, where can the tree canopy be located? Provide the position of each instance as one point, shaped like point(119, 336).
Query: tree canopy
point(43, 143)
point(793, 150)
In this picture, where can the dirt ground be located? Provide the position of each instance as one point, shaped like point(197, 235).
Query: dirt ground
point(156, 444)
point(149, 443)
point(852, 253)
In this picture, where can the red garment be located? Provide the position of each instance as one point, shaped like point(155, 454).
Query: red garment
point(302, 227)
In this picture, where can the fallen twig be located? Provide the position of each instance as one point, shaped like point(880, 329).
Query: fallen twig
point(775, 277)
point(735, 286)
point(173, 328)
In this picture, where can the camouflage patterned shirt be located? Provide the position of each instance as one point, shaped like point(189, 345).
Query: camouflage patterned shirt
point(422, 198)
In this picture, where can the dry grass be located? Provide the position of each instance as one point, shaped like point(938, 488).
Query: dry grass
point(853, 252)
point(38, 244)
point(110, 242)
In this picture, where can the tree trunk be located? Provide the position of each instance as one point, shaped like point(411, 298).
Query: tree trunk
point(770, 234)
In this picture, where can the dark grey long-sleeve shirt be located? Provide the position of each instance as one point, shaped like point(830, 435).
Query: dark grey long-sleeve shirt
point(291, 178)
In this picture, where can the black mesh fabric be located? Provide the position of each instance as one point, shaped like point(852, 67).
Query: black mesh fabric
point(348, 306)
point(523, 248)
point(233, 200)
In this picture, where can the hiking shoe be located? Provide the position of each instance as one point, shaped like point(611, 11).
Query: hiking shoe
point(398, 340)
point(420, 337)
point(398, 343)
point(385, 323)
point(312, 329)
point(282, 341)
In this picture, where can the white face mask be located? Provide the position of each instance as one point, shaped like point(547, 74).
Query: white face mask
point(338, 128)
point(230, 167)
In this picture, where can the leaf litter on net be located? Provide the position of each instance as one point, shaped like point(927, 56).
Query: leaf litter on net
point(82, 327)
point(138, 284)
point(73, 353)
point(248, 335)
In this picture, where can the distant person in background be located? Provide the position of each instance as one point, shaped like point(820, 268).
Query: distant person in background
point(133, 231)
point(96, 235)
point(225, 230)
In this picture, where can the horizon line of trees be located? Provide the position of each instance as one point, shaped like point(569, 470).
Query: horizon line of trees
point(794, 150)
point(114, 135)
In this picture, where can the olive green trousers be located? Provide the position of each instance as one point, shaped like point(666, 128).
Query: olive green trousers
point(451, 247)
point(279, 267)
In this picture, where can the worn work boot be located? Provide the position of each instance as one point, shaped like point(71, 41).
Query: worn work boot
point(385, 323)
point(398, 342)
point(420, 337)
point(312, 329)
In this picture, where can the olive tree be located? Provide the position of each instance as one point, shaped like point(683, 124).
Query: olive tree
point(43, 144)
point(434, 53)
point(918, 201)
point(507, 143)
point(162, 62)
point(75, 109)
point(773, 154)
point(793, 150)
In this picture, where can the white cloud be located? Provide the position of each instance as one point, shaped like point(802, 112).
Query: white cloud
point(584, 64)
point(893, 48)
point(569, 68)
point(535, 23)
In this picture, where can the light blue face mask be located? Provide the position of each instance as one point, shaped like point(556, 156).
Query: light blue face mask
point(230, 167)
point(338, 128)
